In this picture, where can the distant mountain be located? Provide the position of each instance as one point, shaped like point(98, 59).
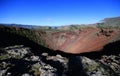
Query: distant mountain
point(20, 25)
point(115, 21)
point(112, 21)
point(31, 26)
point(106, 23)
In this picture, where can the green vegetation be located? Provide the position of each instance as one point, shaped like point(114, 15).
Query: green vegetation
point(2, 57)
point(109, 23)
point(35, 70)
point(102, 25)
point(93, 67)
point(28, 33)
point(112, 21)
point(17, 57)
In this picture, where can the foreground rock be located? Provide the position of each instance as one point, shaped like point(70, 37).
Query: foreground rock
point(83, 66)
point(20, 61)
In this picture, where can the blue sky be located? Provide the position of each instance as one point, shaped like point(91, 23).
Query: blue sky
point(57, 12)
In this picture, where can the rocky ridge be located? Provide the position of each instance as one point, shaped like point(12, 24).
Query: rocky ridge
point(19, 60)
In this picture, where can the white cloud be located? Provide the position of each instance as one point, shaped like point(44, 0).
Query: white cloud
point(49, 19)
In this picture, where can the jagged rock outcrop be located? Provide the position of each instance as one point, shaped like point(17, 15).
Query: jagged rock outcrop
point(19, 60)
point(112, 61)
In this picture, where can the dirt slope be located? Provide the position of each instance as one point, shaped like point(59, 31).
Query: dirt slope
point(82, 40)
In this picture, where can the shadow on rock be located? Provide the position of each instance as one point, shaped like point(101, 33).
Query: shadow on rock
point(75, 67)
point(18, 66)
point(109, 49)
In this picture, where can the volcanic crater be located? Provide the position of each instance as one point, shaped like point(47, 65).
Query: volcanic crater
point(81, 40)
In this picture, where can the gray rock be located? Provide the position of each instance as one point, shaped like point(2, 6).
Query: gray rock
point(17, 51)
point(2, 72)
point(44, 54)
point(35, 58)
point(26, 74)
point(93, 68)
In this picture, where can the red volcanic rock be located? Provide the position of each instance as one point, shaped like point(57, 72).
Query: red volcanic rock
point(81, 41)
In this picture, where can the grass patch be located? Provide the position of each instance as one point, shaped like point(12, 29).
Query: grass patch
point(3, 57)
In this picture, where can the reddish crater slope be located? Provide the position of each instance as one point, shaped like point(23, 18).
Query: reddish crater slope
point(82, 40)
